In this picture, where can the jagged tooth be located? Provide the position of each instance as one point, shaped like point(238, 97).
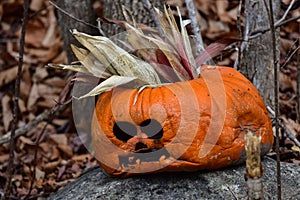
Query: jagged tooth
point(162, 158)
point(131, 159)
point(138, 162)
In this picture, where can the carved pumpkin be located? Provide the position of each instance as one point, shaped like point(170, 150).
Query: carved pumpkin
point(151, 131)
point(197, 122)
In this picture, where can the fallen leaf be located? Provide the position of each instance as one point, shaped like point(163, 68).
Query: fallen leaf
point(59, 139)
point(40, 74)
point(61, 171)
point(66, 149)
point(22, 106)
point(6, 112)
point(4, 158)
point(82, 157)
point(26, 140)
point(47, 101)
point(39, 174)
point(55, 154)
point(55, 81)
point(44, 89)
point(75, 168)
point(44, 146)
point(50, 166)
point(33, 96)
point(36, 5)
point(52, 30)
point(285, 83)
point(8, 75)
point(35, 33)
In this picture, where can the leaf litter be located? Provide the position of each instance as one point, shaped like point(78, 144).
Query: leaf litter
point(61, 157)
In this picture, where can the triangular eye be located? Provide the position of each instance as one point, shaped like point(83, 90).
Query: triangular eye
point(124, 130)
point(152, 129)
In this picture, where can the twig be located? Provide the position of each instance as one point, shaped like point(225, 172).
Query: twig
point(233, 194)
point(239, 27)
point(285, 13)
point(290, 132)
point(195, 26)
point(259, 32)
point(290, 57)
point(276, 92)
point(16, 102)
point(298, 83)
point(287, 130)
point(71, 16)
point(33, 172)
point(42, 117)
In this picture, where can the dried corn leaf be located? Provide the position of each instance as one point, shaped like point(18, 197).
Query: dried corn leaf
point(76, 68)
point(111, 83)
point(187, 46)
point(116, 59)
point(137, 39)
point(91, 63)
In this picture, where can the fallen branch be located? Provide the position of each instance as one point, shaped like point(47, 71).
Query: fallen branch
point(32, 124)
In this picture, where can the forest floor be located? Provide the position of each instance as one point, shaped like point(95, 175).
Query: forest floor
point(51, 154)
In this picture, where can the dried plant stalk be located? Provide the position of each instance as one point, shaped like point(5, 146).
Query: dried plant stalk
point(253, 166)
point(298, 83)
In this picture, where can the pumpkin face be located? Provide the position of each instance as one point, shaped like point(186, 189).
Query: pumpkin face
point(193, 125)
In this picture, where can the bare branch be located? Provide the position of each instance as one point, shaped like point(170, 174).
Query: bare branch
point(71, 16)
point(195, 26)
point(298, 83)
point(33, 171)
point(285, 13)
point(290, 57)
point(239, 27)
point(276, 92)
point(286, 128)
point(259, 32)
point(10, 167)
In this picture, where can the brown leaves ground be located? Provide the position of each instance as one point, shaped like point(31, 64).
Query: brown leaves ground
point(51, 156)
point(48, 156)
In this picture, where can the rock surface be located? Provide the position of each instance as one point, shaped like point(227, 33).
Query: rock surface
point(223, 184)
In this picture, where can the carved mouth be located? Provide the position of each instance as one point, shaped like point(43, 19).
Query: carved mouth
point(143, 156)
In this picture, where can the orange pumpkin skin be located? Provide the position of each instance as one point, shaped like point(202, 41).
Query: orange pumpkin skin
point(203, 123)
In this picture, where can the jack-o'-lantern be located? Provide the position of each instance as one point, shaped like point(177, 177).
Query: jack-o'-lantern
point(149, 118)
point(153, 135)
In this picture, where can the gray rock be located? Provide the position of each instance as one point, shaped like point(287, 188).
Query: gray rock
point(223, 184)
